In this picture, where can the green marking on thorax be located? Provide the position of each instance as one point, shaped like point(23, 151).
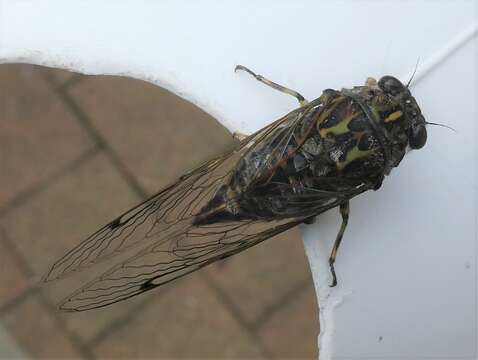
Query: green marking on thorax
point(341, 128)
point(353, 154)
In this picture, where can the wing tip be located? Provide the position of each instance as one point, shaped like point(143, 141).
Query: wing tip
point(55, 273)
point(67, 305)
point(49, 276)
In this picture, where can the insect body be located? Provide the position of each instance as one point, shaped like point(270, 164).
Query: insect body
point(315, 158)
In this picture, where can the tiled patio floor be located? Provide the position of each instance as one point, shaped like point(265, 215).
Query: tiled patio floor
point(76, 151)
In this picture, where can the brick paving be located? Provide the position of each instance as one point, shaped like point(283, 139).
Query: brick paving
point(75, 151)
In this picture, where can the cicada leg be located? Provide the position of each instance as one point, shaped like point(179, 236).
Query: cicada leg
point(344, 211)
point(273, 85)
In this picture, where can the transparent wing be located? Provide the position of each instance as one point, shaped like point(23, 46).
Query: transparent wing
point(164, 262)
point(196, 247)
point(170, 212)
point(153, 220)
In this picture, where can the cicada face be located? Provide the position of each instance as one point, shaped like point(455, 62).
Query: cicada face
point(397, 119)
point(409, 118)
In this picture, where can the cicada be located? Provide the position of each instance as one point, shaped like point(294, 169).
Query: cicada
point(315, 158)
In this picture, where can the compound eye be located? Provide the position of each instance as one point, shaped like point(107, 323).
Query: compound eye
point(391, 85)
point(417, 136)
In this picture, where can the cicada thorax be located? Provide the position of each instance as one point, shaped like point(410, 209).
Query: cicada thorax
point(350, 138)
point(337, 146)
point(338, 143)
point(357, 129)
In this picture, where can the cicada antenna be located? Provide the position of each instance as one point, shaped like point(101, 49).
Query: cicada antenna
point(442, 125)
point(414, 71)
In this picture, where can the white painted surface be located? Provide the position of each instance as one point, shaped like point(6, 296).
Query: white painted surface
point(407, 267)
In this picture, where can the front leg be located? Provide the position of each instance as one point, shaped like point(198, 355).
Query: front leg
point(274, 85)
point(344, 211)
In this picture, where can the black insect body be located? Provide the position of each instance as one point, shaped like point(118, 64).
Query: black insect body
point(317, 157)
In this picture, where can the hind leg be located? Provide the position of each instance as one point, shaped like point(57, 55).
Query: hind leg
point(344, 211)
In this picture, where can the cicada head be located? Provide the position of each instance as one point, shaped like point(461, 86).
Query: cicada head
point(407, 117)
point(399, 123)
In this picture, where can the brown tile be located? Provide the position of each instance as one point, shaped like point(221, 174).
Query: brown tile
point(13, 280)
point(259, 277)
point(186, 321)
point(38, 135)
point(58, 218)
point(292, 332)
point(157, 135)
point(70, 208)
point(37, 332)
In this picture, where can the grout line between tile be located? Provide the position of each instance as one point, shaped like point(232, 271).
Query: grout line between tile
point(82, 348)
point(20, 299)
point(236, 314)
point(35, 293)
point(274, 308)
point(72, 81)
point(24, 267)
point(96, 136)
point(42, 185)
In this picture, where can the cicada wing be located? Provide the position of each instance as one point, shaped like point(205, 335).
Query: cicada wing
point(163, 262)
point(195, 247)
point(173, 209)
point(151, 221)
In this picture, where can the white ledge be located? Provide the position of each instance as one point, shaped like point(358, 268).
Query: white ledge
point(407, 266)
